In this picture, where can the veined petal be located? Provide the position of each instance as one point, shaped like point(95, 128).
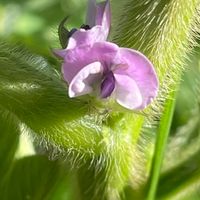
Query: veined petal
point(79, 57)
point(141, 70)
point(126, 92)
point(82, 83)
point(107, 53)
point(87, 37)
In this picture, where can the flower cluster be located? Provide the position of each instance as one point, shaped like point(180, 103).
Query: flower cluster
point(93, 65)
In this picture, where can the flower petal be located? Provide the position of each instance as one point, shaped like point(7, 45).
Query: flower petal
point(126, 92)
point(106, 52)
point(99, 14)
point(141, 70)
point(87, 37)
point(108, 85)
point(82, 83)
point(79, 57)
point(103, 16)
point(98, 18)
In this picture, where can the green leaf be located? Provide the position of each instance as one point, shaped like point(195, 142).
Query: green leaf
point(181, 180)
point(9, 136)
point(35, 93)
point(78, 129)
point(36, 177)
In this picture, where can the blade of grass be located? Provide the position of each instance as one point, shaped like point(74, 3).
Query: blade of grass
point(162, 136)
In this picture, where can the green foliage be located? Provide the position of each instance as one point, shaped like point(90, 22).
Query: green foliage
point(46, 110)
point(9, 133)
point(163, 132)
point(30, 184)
point(180, 173)
point(164, 31)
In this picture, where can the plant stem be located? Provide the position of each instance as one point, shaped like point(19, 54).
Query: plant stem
point(162, 135)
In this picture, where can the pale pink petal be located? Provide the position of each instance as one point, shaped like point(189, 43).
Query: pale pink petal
point(99, 14)
point(107, 53)
point(79, 57)
point(86, 78)
point(126, 92)
point(99, 19)
point(141, 70)
point(87, 37)
point(103, 16)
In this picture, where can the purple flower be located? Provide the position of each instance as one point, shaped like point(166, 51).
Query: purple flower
point(97, 25)
point(93, 65)
point(121, 73)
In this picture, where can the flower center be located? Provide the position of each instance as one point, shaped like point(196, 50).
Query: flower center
point(85, 26)
point(107, 85)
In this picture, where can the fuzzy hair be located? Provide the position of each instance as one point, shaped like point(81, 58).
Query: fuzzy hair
point(33, 91)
